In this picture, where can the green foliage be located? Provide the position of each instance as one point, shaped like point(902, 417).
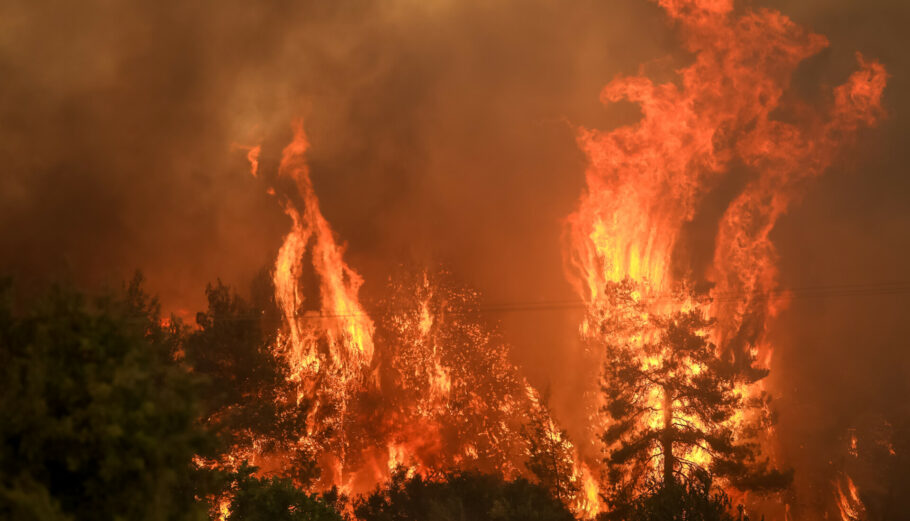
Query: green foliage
point(274, 499)
point(697, 499)
point(247, 396)
point(98, 420)
point(459, 496)
point(550, 455)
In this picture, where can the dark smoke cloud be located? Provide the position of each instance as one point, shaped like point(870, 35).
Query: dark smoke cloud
point(442, 132)
point(843, 362)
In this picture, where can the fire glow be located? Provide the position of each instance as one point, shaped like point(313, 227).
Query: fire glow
point(647, 181)
point(425, 387)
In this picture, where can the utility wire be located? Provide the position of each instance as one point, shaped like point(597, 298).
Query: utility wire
point(806, 292)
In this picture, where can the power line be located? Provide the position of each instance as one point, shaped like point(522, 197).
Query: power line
point(805, 292)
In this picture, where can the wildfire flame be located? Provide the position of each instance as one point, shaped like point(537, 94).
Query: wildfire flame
point(342, 319)
point(848, 501)
point(429, 388)
point(729, 114)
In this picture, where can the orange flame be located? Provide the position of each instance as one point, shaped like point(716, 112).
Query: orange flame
point(328, 339)
point(252, 155)
point(647, 181)
point(440, 392)
point(340, 316)
point(848, 501)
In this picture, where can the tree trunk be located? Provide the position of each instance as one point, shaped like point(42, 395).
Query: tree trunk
point(556, 477)
point(667, 439)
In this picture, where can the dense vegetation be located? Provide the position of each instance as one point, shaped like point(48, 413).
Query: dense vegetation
point(677, 377)
point(454, 496)
point(99, 422)
point(111, 413)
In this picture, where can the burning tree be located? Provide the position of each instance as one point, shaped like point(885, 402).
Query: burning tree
point(446, 372)
point(428, 387)
point(729, 113)
point(248, 398)
point(551, 456)
point(676, 409)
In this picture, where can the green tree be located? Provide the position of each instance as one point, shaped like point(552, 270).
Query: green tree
point(696, 499)
point(247, 396)
point(550, 455)
point(274, 499)
point(459, 496)
point(99, 422)
point(670, 398)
